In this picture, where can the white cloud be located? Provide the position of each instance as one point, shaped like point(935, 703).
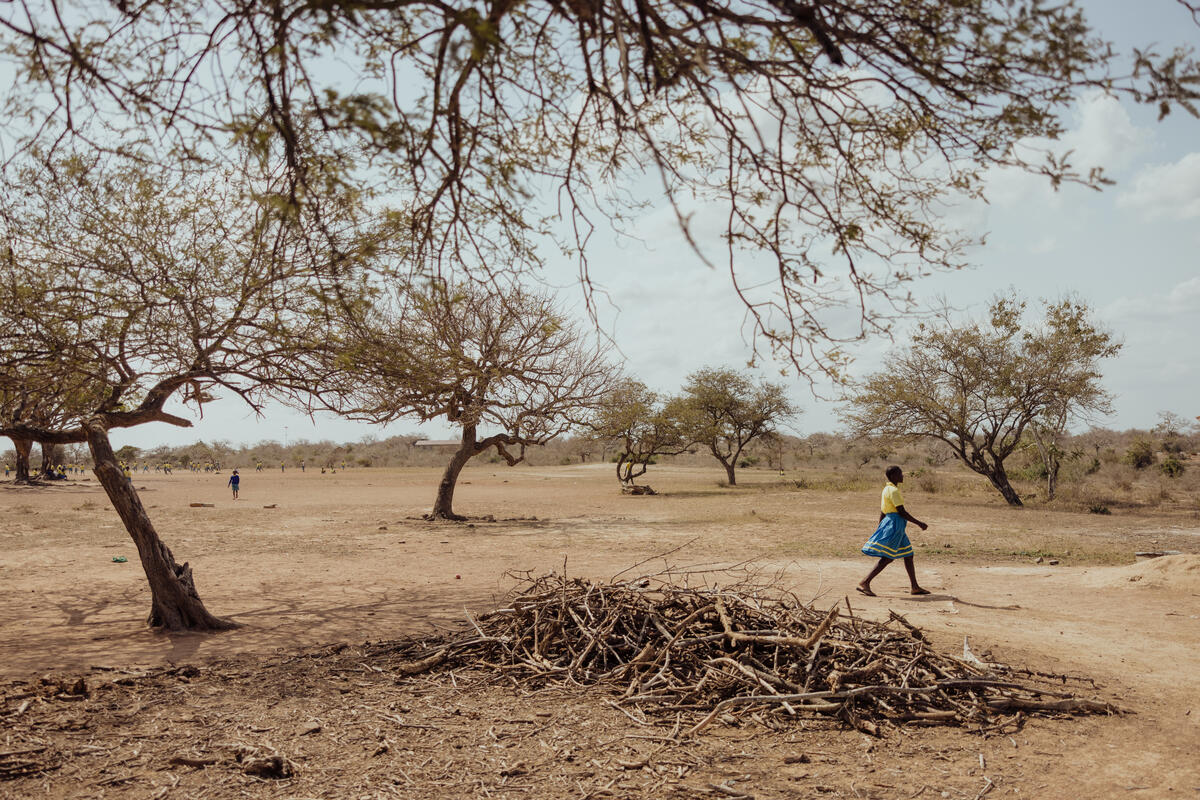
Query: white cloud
point(1104, 135)
point(1169, 315)
point(1170, 191)
point(1184, 298)
point(1008, 187)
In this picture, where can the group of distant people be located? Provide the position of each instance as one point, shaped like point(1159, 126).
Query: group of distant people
point(128, 469)
point(235, 480)
point(57, 472)
point(258, 467)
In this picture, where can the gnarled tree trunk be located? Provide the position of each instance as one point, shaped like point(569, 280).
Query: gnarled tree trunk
point(23, 447)
point(48, 451)
point(443, 506)
point(174, 603)
point(999, 479)
point(728, 457)
point(630, 468)
point(729, 464)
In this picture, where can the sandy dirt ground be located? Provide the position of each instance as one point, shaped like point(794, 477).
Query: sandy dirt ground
point(345, 558)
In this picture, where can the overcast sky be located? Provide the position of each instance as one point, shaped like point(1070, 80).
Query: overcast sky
point(1132, 252)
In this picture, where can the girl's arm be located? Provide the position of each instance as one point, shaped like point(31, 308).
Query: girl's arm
point(910, 518)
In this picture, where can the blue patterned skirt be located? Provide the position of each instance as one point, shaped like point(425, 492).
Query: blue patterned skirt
point(889, 540)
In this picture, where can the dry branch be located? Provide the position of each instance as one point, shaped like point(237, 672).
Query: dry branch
point(705, 652)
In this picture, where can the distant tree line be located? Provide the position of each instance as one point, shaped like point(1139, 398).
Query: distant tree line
point(1166, 450)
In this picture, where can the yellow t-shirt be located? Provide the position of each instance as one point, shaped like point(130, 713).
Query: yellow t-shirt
point(892, 499)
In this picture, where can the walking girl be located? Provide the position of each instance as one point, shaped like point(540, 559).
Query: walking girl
point(890, 541)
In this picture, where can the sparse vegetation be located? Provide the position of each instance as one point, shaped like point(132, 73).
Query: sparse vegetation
point(985, 387)
point(1172, 466)
point(817, 462)
point(1140, 454)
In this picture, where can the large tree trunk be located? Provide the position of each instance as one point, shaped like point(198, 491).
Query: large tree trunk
point(728, 461)
point(48, 459)
point(443, 506)
point(629, 469)
point(174, 603)
point(999, 479)
point(23, 448)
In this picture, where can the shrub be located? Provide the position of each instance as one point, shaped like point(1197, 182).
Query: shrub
point(1140, 454)
point(1034, 471)
point(1171, 466)
point(1098, 508)
point(1093, 467)
point(928, 482)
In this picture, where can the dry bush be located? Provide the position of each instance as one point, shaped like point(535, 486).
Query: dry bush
point(926, 480)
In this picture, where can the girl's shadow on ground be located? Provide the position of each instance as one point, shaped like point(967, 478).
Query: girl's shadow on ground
point(926, 598)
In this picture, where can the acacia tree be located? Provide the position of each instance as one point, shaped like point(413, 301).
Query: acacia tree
point(41, 409)
point(34, 392)
point(827, 135)
point(725, 411)
point(640, 425)
point(140, 287)
point(980, 386)
point(479, 357)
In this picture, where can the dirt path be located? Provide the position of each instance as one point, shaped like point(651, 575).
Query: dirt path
point(343, 558)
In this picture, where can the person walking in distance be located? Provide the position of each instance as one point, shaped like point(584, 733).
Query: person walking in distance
point(890, 541)
point(234, 483)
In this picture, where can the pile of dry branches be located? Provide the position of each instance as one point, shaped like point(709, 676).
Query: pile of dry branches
point(708, 653)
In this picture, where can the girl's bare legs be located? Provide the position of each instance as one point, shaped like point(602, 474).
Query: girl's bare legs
point(865, 586)
point(912, 577)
